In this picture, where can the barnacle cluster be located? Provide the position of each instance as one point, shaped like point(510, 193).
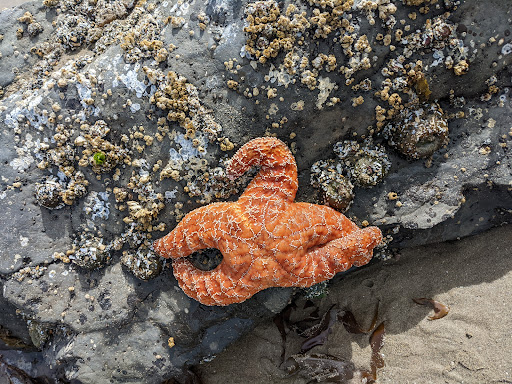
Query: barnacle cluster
point(84, 22)
point(180, 100)
point(29, 272)
point(418, 131)
point(286, 39)
point(336, 189)
point(366, 164)
point(385, 9)
point(53, 194)
point(76, 188)
point(143, 210)
point(98, 152)
point(98, 24)
point(49, 194)
point(33, 27)
point(90, 252)
point(270, 32)
point(362, 164)
point(438, 33)
point(143, 41)
point(143, 262)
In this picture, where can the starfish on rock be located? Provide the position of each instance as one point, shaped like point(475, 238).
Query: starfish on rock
point(266, 239)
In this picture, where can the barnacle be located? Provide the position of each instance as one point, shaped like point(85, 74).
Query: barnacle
point(367, 163)
point(48, 194)
point(143, 262)
point(90, 252)
point(418, 131)
point(337, 190)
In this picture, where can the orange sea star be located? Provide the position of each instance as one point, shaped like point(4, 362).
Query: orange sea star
point(265, 238)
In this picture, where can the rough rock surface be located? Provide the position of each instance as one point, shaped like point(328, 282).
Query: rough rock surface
point(86, 91)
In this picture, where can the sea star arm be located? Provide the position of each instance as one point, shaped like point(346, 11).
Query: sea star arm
point(217, 287)
point(322, 263)
point(316, 242)
point(278, 172)
point(200, 229)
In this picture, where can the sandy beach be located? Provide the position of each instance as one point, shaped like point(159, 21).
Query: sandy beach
point(472, 344)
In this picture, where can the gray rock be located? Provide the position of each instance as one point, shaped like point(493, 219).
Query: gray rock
point(105, 325)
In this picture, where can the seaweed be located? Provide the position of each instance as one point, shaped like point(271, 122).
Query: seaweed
point(14, 374)
point(421, 87)
point(352, 326)
point(321, 331)
point(281, 320)
point(377, 360)
point(440, 309)
point(99, 158)
point(376, 343)
point(320, 368)
point(13, 342)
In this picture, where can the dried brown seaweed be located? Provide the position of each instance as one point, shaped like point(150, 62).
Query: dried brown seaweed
point(12, 341)
point(440, 309)
point(13, 374)
point(320, 368)
point(377, 360)
point(352, 326)
point(281, 320)
point(320, 332)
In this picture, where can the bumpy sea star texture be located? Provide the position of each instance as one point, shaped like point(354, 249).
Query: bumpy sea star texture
point(266, 239)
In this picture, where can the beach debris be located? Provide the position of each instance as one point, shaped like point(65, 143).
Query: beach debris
point(440, 309)
point(377, 359)
point(320, 367)
point(320, 332)
point(13, 374)
point(352, 326)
